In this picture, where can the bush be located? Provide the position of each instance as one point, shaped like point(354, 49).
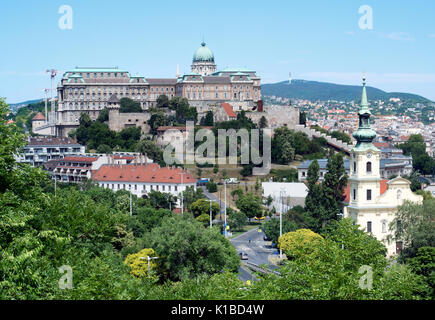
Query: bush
point(299, 243)
point(138, 262)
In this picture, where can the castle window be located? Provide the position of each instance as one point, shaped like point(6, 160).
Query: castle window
point(369, 194)
point(369, 226)
point(369, 167)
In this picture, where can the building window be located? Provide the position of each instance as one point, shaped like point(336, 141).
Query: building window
point(354, 194)
point(384, 226)
point(369, 226)
point(176, 188)
point(399, 194)
point(354, 167)
point(369, 167)
point(303, 173)
point(369, 194)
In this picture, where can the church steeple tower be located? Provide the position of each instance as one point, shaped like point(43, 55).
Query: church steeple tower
point(364, 135)
point(365, 159)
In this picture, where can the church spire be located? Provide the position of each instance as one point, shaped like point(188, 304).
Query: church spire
point(364, 135)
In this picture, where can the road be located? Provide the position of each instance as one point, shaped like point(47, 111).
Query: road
point(257, 250)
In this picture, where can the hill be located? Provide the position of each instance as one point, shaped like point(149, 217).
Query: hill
point(323, 91)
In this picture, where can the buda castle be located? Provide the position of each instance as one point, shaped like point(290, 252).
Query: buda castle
point(88, 90)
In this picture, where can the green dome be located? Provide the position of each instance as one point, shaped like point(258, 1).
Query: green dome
point(203, 54)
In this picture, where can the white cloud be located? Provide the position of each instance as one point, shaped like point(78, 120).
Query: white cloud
point(400, 36)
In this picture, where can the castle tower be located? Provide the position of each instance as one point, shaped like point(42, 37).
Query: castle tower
point(364, 179)
point(203, 61)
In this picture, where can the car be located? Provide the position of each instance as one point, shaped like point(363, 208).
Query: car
point(261, 218)
point(243, 256)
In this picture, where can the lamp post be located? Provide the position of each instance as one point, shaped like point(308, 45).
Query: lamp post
point(225, 208)
point(131, 204)
point(182, 204)
point(280, 218)
point(149, 264)
point(211, 214)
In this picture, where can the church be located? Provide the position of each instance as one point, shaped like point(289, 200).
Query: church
point(371, 201)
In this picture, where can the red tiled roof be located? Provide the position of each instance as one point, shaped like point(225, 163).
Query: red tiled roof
point(228, 109)
point(39, 116)
point(384, 187)
point(80, 159)
point(382, 144)
point(404, 138)
point(142, 173)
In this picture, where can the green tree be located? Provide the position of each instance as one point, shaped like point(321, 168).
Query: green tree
point(190, 195)
point(414, 225)
point(202, 206)
point(262, 123)
point(161, 200)
point(250, 205)
point(237, 221)
point(157, 120)
point(103, 116)
point(208, 120)
point(333, 185)
point(211, 186)
point(128, 105)
point(188, 249)
point(148, 148)
point(162, 101)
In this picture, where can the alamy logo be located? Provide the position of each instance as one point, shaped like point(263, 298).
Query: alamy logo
point(181, 149)
point(66, 20)
point(66, 280)
point(366, 281)
point(366, 20)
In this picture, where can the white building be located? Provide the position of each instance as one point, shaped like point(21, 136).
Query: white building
point(40, 150)
point(140, 179)
point(370, 201)
point(289, 194)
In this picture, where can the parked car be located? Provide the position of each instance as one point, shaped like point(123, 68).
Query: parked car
point(243, 256)
point(232, 181)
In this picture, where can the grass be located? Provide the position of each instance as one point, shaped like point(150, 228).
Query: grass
point(246, 228)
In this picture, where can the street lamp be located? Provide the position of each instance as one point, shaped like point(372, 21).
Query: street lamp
point(280, 218)
point(225, 208)
point(149, 265)
point(211, 215)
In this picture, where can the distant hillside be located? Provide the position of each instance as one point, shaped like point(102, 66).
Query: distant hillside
point(314, 90)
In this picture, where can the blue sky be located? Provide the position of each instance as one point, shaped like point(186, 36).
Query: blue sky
point(313, 39)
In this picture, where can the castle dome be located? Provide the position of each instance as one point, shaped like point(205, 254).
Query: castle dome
point(203, 54)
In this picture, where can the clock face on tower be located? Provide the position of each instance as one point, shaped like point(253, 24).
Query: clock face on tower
point(369, 155)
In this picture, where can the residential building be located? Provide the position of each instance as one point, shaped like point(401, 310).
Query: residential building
point(40, 150)
point(140, 179)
